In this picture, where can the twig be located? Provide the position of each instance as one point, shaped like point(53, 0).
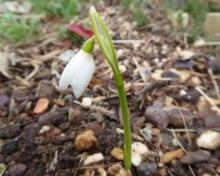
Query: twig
point(128, 41)
point(95, 166)
point(208, 99)
point(182, 147)
point(142, 74)
point(36, 69)
point(49, 55)
point(181, 130)
point(179, 143)
point(211, 44)
point(96, 108)
point(153, 85)
point(214, 82)
point(191, 170)
point(54, 162)
point(186, 127)
point(171, 173)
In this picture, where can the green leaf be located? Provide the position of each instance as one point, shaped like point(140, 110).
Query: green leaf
point(103, 38)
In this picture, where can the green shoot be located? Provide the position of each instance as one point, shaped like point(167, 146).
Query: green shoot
point(58, 8)
point(137, 9)
point(105, 43)
point(14, 29)
point(2, 169)
point(197, 9)
point(126, 2)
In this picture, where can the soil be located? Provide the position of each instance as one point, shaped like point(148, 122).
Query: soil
point(163, 88)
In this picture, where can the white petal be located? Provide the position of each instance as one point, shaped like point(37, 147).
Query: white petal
point(78, 73)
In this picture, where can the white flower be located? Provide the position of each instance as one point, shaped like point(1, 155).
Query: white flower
point(78, 73)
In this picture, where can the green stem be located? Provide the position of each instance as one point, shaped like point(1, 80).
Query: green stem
point(105, 43)
point(126, 119)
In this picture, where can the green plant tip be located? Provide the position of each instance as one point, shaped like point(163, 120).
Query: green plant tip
point(88, 45)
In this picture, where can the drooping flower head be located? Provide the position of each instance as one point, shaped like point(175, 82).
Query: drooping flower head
point(79, 71)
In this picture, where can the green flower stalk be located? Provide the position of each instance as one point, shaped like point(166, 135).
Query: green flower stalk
point(80, 69)
point(105, 43)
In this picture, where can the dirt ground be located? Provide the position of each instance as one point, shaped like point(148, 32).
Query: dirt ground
point(173, 96)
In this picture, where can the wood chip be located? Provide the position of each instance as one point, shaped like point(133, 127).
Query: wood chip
point(170, 156)
point(41, 106)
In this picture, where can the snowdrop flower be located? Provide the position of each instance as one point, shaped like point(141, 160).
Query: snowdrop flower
point(79, 71)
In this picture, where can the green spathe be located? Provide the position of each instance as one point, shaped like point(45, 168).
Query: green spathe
point(88, 45)
point(103, 38)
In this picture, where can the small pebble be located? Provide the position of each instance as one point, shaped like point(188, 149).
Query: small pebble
point(10, 147)
point(170, 156)
point(218, 169)
point(17, 169)
point(146, 133)
point(209, 140)
point(74, 115)
point(182, 92)
point(186, 54)
point(147, 169)
point(155, 131)
point(41, 105)
point(95, 158)
point(86, 102)
point(102, 172)
point(117, 153)
point(199, 43)
point(122, 68)
point(85, 140)
point(139, 152)
point(44, 129)
point(117, 170)
point(196, 157)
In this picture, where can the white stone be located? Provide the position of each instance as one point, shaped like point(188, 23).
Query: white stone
point(136, 159)
point(209, 140)
point(44, 129)
point(186, 54)
point(199, 43)
point(122, 68)
point(183, 92)
point(139, 151)
point(86, 101)
point(95, 158)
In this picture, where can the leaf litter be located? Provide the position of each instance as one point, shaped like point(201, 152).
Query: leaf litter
point(171, 97)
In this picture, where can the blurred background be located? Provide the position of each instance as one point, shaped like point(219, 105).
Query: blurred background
point(25, 21)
